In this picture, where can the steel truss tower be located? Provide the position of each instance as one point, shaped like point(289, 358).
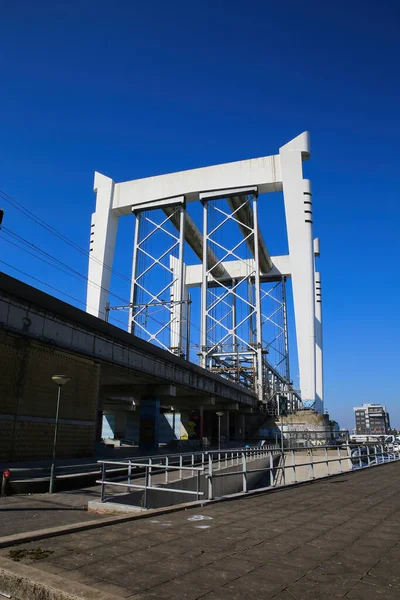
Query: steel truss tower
point(156, 305)
point(240, 328)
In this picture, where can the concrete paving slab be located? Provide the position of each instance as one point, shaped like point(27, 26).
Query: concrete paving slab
point(263, 546)
point(20, 514)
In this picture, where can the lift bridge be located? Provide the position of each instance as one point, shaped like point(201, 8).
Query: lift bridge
point(204, 285)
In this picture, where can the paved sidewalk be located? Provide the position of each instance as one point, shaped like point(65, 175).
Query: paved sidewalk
point(31, 512)
point(22, 513)
point(330, 539)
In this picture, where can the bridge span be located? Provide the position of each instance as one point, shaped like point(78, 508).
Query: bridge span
point(41, 335)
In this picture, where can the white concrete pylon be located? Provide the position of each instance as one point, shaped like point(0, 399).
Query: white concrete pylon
point(298, 209)
point(103, 235)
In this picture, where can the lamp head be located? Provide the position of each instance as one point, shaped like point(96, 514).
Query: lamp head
point(219, 413)
point(61, 379)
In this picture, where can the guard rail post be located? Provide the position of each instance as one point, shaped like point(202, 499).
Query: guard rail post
point(327, 460)
point(339, 453)
point(294, 466)
point(150, 472)
point(349, 461)
point(210, 480)
point(198, 485)
point(146, 483)
point(283, 466)
point(244, 469)
point(271, 469)
point(129, 475)
point(312, 463)
point(103, 476)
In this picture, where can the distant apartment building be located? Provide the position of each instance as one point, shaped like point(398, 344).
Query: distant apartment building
point(371, 418)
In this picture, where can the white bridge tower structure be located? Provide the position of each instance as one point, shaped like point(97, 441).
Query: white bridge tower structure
point(200, 230)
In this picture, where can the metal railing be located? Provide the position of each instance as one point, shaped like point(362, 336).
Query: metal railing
point(193, 464)
point(206, 468)
point(149, 472)
point(368, 455)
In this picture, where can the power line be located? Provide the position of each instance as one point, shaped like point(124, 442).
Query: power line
point(36, 256)
point(20, 207)
point(51, 286)
point(36, 219)
point(72, 271)
point(40, 281)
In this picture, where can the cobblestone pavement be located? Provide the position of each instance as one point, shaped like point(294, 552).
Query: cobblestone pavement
point(337, 538)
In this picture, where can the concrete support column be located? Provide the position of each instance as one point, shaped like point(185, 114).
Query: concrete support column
point(225, 425)
point(103, 235)
point(120, 424)
point(99, 417)
point(240, 428)
point(208, 418)
point(298, 209)
point(149, 423)
point(201, 428)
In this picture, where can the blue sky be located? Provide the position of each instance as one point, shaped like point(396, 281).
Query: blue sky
point(133, 89)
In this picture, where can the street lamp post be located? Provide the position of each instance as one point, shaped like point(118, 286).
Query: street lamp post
point(59, 380)
point(219, 415)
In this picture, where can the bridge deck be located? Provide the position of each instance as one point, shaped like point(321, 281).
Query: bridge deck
point(125, 358)
point(329, 539)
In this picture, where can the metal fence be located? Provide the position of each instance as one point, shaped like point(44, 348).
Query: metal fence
point(282, 467)
point(193, 464)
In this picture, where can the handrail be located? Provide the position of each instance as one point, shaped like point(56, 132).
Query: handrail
point(132, 464)
point(214, 464)
point(159, 489)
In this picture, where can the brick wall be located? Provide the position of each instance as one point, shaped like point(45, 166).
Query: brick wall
point(28, 398)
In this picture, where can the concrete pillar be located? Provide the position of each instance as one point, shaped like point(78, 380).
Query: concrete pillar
point(149, 423)
point(120, 424)
point(225, 425)
point(201, 412)
point(175, 417)
point(299, 222)
point(208, 417)
point(99, 417)
point(240, 428)
point(103, 235)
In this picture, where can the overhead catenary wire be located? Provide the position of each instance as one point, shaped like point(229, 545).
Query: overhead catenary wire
point(50, 259)
point(52, 287)
point(41, 281)
point(64, 267)
point(31, 215)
